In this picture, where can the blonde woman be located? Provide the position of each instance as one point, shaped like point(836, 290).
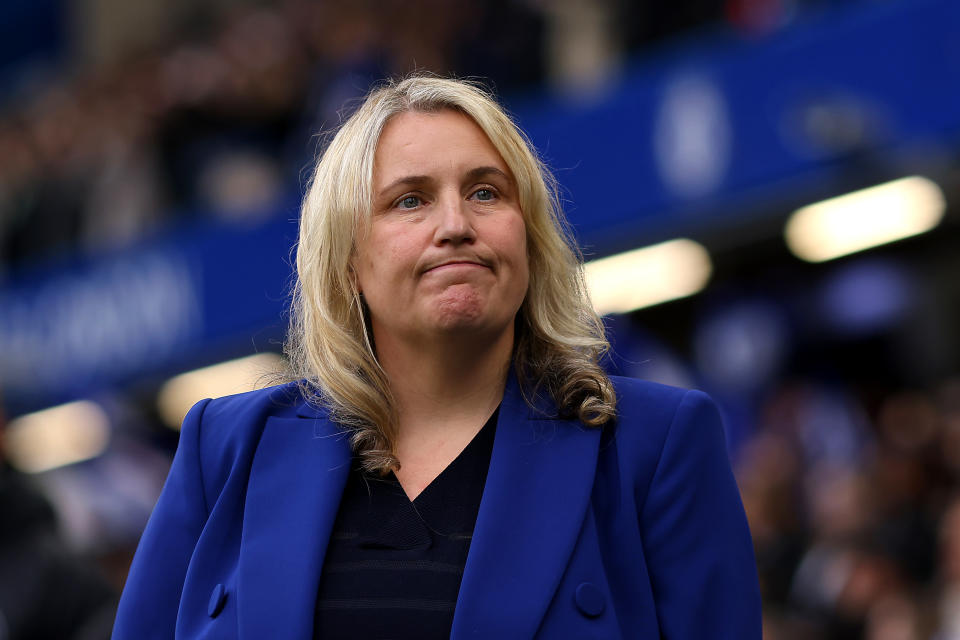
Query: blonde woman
point(451, 460)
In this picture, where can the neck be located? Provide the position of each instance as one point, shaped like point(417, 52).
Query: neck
point(446, 380)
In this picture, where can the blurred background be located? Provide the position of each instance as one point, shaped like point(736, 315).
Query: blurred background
point(767, 192)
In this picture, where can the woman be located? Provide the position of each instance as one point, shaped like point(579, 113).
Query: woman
point(450, 402)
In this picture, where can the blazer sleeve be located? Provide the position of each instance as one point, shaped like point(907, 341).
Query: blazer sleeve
point(151, 597)
point(696, 541)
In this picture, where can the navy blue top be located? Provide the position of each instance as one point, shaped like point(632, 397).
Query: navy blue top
point(393, 567)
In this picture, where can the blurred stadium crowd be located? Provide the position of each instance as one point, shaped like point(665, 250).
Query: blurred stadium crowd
point(220, 120)
point(220, 117)
point(850, 475)
point(854, 512)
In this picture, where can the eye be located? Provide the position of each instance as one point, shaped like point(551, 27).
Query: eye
point(484, 195)
point(408, 202)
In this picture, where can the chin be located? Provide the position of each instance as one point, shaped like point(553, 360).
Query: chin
point(467, 311)
point(470, 319)
point(458, 319)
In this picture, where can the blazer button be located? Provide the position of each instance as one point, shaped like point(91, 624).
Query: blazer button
point(217, 599)
point(590, 600)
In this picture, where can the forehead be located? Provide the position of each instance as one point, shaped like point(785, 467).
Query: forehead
point(427, 143)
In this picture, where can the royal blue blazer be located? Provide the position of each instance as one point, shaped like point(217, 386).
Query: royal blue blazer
point(634, 531)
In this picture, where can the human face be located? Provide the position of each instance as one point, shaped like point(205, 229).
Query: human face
point(446, 252)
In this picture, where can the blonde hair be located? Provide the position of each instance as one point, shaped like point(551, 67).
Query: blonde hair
point(559, 338)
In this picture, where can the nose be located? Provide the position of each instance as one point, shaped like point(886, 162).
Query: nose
point(454, 223)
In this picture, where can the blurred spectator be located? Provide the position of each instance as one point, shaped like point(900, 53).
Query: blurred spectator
point(215, 122)
point(847, 534)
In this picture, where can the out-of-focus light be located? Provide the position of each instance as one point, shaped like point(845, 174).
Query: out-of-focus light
point(648, 276)
point(742, 345)
point(234, 376)
point(866, 295)
point(864, 219)
point(57, 436)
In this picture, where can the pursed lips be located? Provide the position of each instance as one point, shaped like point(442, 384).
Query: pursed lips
point(456, 263)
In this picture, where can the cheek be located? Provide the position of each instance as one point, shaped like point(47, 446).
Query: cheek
point(384, 261)
point(517, 241)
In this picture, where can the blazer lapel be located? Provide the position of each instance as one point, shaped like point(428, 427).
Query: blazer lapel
point(534, 502)
point(296, 481)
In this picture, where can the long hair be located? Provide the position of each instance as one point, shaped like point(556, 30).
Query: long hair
point(559, 338)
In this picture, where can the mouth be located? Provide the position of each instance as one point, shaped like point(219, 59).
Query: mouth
point(456, 264)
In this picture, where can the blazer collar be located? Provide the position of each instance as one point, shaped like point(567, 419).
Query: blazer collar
point(298, 474)
point(534, 502)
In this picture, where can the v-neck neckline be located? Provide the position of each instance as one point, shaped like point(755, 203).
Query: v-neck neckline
point(483, 438)
point(381, 515)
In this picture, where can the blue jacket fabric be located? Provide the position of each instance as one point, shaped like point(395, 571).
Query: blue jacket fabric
point(634, 531)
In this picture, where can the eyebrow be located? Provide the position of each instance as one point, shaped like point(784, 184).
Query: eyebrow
point(405, 180)
point(482, 172)
point(473, 174)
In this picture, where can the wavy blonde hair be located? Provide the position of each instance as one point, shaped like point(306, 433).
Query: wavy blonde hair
point(559, 338)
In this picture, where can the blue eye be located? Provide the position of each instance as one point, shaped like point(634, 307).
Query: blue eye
point(484, 194)
point(408, 202)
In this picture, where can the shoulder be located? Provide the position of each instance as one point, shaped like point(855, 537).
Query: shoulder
point(241, 416)
point(231, 416)
point(224, 432)
point(652, 408)
point(651, 416)
point(633, 393)
point(284, 400)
